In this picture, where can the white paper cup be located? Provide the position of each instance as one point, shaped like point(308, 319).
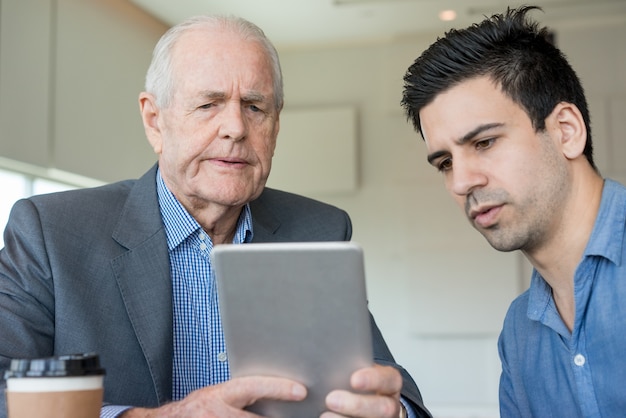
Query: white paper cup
point(66, 386)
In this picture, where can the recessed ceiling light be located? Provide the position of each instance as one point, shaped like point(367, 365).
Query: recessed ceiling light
point(447, 15)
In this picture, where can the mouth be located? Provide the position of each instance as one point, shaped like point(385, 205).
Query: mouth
point(485, 216)
point(229, 162)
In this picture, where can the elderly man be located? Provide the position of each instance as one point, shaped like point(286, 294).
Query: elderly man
point(124, 270)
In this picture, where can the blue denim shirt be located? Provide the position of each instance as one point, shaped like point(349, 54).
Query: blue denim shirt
point(548, 371)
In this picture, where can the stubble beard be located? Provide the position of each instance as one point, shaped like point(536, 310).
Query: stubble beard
point(521, 236)
point(532, 222)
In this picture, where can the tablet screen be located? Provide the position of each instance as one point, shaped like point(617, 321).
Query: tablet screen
point(296, 310)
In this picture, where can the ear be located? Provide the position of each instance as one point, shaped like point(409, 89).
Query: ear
point(567, 124)
point(150, 117)
point(276, 130)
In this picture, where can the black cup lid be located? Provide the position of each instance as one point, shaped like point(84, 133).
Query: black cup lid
point(87, 364)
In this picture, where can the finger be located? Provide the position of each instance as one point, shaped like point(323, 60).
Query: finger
point(331, 415)
point(384, 380)
point(244, 391)
point(360, 405)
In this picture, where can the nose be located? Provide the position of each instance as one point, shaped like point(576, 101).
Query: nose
point(465, 177)
point(233, 125)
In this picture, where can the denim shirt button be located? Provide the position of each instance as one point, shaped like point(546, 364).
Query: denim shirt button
point(579, 360)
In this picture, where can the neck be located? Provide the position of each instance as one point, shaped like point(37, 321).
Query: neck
point(220, 227)
point(218, 221)
point(557, 259)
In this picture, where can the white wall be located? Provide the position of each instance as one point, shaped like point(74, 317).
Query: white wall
point(70, 75)
point(70, 72)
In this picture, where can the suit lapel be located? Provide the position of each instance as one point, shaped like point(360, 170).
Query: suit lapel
point(264, 222)
point(143, 276)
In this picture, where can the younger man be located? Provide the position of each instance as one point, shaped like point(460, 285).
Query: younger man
point(505, 120)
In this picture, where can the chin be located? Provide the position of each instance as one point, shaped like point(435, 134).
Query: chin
point(502, 245)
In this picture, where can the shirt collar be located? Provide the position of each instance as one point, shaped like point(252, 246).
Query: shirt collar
point(606, 240)
point(607, 237)
point(179, 224)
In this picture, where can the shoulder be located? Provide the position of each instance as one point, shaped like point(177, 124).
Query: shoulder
point(288, 216)
point(517, 315)
point(516, 323)
point(518, 309)
point(79, 212)
point(85, 200)
point(289, 205)
point(280, 199)
point(106, 199)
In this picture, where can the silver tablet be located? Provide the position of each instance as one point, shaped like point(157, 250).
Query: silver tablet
point(296, 310)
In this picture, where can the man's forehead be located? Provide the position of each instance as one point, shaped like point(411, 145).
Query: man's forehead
point(213, 65)
point(463, 107)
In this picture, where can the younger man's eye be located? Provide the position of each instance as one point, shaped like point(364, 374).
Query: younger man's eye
point(445, 164)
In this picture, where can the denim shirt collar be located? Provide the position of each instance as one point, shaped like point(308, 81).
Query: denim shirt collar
point(602, 242)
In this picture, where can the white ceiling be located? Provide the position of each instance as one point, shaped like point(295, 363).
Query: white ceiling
point(298, 23)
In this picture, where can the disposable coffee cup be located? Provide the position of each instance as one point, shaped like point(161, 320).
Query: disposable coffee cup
point(54, 387)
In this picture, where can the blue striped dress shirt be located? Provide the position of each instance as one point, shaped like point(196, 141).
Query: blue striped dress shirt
point(199, 350)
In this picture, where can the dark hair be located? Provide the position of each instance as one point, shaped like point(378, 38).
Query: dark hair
point(514, 52)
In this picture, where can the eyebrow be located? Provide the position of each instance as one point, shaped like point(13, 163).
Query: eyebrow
point(464, 139)
point(251, 97)
point(211, 94)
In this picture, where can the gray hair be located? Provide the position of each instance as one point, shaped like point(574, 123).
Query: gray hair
point(159, 78)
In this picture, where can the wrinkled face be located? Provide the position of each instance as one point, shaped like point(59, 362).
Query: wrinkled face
point(216, 139)
point(510, 180)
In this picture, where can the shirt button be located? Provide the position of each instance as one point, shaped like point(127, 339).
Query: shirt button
point(579, 360)
point(203, 246)
point(202, 236)
point(222, 357)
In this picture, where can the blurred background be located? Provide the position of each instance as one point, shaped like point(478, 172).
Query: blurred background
point(71, 71)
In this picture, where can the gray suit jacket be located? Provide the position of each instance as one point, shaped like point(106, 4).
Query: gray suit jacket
point(88, 271)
